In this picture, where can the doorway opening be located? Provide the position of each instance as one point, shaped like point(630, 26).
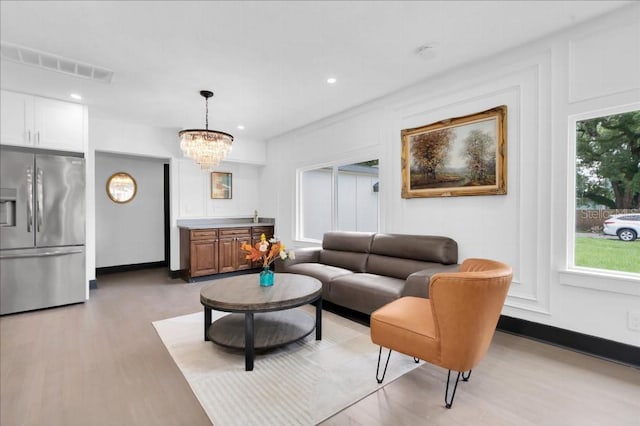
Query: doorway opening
point(133, 235)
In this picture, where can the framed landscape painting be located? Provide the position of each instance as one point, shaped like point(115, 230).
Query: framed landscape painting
point(455, 157)
point(221, 185)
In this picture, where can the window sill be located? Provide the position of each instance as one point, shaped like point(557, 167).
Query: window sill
point(598, 280)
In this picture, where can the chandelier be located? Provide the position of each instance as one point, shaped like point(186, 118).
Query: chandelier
point(206, 147)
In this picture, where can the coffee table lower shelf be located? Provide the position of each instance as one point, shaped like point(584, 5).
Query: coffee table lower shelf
point(270, 329)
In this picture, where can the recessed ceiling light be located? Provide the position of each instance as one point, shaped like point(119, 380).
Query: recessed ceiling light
point(331, 80)
point(75, 96)
point(240, 127)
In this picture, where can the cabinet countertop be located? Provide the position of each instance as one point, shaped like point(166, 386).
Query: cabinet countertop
point(224, 225)
point(221, 223)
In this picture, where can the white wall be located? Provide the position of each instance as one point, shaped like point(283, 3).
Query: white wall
point(188, 184)
point(133, 232)
point(585, 68)
point(194, 192)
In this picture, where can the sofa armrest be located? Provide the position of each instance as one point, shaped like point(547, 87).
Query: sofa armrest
point(417, 284)
point(302, 255)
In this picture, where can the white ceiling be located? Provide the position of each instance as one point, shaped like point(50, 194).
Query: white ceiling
point(266, 61)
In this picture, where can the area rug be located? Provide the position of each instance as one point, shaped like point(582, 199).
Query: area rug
point(302, 383)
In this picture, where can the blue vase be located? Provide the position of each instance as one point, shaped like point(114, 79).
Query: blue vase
point(266, 277)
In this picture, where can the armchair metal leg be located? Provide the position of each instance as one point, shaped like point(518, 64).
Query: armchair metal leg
point(466, 375)
point(448, 400)
point(380, 379)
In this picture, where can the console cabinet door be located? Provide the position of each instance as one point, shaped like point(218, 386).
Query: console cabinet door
point(203, 251)
point(204, 257)
point(227, 255)
point(242, 262)
point(231, 256)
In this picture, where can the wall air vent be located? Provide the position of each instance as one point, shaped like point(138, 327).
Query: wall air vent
point(48, 61)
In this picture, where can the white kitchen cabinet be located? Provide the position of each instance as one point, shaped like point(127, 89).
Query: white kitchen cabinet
point(41, 122)
point(13, 129)
point(58, 125)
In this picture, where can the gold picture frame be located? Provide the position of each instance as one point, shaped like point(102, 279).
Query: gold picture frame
point(456, 157)
point(221, 185)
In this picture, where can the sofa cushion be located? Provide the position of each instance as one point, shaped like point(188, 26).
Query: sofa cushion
point(355, 262)
point(358, 242)
point(395, 266)
point(324, 273)
point(346, 249)
point(428, 248)
point(364, 292)
point(302, 255)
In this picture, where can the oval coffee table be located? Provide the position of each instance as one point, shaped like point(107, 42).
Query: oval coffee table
point(262, 317)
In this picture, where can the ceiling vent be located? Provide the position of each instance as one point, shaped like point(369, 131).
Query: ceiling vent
point(48, 61)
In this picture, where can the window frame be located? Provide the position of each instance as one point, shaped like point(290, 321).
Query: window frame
point(335, 166)
point(581, 276)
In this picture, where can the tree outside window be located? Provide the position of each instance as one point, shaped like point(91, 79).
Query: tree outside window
point(608, 160)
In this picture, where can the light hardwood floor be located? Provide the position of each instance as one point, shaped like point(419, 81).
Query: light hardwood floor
point(102, 363)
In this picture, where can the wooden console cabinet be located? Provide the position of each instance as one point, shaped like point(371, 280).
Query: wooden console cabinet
point(217, 250)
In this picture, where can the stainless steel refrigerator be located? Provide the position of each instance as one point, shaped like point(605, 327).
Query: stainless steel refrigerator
point(42, 230)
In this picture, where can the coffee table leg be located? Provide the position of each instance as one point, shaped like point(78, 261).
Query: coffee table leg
point(207, 323)
point(249, 351)
point(319, 319)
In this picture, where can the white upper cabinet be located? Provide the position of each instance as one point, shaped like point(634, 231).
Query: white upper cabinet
point(58, 125)
point(41, 122)
point(13, 128)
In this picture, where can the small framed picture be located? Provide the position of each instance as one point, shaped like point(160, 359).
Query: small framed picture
point(221, 185)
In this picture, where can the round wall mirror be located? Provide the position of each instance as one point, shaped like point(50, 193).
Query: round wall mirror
point(121, 187)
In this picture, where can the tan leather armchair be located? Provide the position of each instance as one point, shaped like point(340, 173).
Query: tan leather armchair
point(454, 327)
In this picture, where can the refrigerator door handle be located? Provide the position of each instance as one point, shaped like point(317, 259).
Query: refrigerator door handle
point(29, 199)
point(39, 198)
point(42, 254)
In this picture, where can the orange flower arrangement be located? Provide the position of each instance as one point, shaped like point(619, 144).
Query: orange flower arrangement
point(266, 251)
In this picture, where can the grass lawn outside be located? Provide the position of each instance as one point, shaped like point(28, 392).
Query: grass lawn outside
point(608, 254)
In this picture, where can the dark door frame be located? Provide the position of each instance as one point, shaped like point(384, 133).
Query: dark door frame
point(167, 216)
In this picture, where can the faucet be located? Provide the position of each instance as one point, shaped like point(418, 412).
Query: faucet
point(255, 216)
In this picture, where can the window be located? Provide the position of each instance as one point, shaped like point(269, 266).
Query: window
point(316, 194)
point(607, 192)
point(338, 197)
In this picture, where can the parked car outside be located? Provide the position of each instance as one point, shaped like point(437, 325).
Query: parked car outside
point(625, 226)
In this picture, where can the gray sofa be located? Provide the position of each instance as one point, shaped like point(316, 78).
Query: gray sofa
point(364, 271)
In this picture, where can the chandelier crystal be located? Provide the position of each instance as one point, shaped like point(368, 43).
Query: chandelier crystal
point(206, 147)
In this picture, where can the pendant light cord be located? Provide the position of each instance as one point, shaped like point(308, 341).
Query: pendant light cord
point(206, 121)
